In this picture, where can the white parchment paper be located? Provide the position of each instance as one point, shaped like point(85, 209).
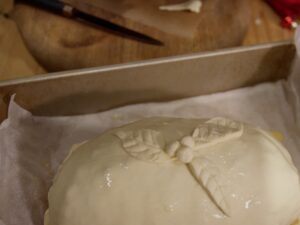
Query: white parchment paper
point(31, 148)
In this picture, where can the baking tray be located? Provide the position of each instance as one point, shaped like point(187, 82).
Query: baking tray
point(102, 88)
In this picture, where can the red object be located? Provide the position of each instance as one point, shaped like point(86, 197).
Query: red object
point(288, 10)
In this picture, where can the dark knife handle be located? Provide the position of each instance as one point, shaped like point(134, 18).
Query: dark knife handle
point(50, 5)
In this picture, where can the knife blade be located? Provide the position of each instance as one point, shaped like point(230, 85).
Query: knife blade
point(61, 8)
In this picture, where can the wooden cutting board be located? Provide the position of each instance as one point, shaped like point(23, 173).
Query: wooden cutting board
point(59, 43)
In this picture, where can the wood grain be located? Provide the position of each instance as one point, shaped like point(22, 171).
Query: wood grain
point(218, 25)
point(6, 6)
point(16, 61)
point(265, 25)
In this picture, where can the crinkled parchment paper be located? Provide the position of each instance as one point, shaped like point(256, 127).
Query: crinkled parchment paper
point(31, 148)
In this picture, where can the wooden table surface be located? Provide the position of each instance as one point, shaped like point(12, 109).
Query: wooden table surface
point(16, 61)
point(265, 25)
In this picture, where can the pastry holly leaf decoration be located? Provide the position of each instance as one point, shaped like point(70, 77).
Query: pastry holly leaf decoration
point(145, 145)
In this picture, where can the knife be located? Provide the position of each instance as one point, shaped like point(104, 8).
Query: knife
point(67, 10)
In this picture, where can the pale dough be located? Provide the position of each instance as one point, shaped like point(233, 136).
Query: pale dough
point(168, 171)
point(190, 5)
